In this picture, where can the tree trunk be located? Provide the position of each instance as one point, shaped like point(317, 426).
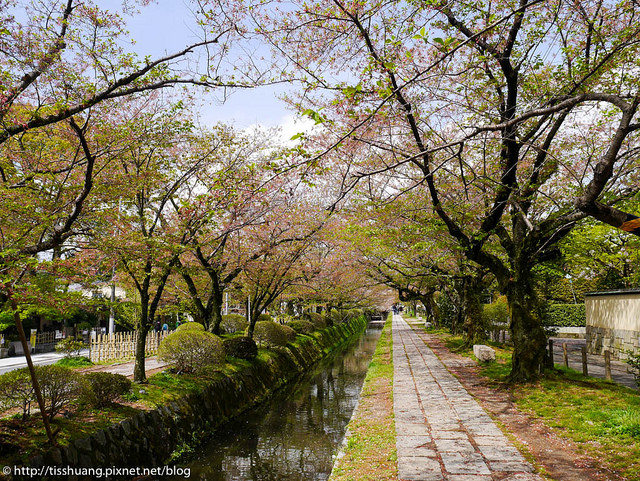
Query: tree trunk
point(527, 333)
point(139, 370)
point(474, 332)
point(216, 316)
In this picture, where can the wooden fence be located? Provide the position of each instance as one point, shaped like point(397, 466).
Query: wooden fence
point(48, 337)
point(122, 345)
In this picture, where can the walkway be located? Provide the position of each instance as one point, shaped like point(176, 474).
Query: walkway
point(442, 433)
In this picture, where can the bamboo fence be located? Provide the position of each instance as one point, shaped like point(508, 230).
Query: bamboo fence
point(122, 345)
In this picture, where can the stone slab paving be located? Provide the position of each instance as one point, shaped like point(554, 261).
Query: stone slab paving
point(442, 433)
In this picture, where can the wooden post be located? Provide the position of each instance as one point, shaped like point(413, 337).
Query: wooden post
point(32, 372)
point(585, 368)
point(550, 359)
point(565, 355)
point(607, 365)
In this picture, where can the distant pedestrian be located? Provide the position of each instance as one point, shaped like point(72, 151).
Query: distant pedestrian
point(165, 327)
point(158, 326)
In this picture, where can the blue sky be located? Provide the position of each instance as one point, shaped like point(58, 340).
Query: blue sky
point(166, 27)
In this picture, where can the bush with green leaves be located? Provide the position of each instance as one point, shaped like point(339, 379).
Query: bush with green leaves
point(565, 315)
point(233, 323)
point(318, 320)
point(192, 350)
point(289, 332)
point(336, 317)
point(59, 386)
point(16, 390)
point(270, 334)
point(301, 326)
point(242, 347)
point(190, 326)
point(104, 388)
point(264, 317)
point(633, 360)
point(70, 346)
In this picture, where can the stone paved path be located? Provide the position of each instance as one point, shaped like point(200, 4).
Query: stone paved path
point(151, 364)
point(442, 433)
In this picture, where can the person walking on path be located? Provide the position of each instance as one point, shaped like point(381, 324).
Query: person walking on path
point(442, 433)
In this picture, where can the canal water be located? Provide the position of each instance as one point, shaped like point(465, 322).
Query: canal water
point(297, 433)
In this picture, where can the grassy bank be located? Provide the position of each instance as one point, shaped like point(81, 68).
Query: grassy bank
point(370, 451)
point(600, 417)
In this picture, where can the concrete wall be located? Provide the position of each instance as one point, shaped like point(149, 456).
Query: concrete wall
point(613, 322)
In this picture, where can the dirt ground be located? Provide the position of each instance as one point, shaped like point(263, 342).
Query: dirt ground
point(559, 457)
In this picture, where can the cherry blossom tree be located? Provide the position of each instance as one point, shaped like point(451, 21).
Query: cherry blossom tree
point(520, 118)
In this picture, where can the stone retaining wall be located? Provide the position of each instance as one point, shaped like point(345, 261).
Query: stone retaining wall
point(150, 438)
point(618, 341)
point(613, 321)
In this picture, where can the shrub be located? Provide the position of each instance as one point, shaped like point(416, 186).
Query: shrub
point(70, 347)
point(633, 360)
point(319, 321)
point(16, 390)
point(241, 347)
point(233, 323)
point(565, 315)
point(288, 332)
point(496, 312)
point(190, 326)
point(270, 334)
point(103, 388)
point(264, 317)
point(59, 386)
point(301, 326)
point(191, 350)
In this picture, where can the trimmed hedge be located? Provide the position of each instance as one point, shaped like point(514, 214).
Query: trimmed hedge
point(191, 350)
point(241, 347)
point(289, 332)
point(59, 386)
point(233, 323)
point(565, 315)
point(104, 388)
point(190, 326)
point(301, 326)
point(270, 334)
point(318, 320)
point(16, 390)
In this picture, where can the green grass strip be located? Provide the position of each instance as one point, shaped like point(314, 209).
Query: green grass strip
point(370, 451)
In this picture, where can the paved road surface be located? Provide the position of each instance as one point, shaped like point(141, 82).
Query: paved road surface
point(10, 363)
point(124, 368)
point(442, 433)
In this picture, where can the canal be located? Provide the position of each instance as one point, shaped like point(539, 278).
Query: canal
point(296, 434)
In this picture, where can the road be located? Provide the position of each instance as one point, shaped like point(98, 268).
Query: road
point(10, 363)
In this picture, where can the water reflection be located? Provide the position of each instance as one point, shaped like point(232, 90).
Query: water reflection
point(294, 436)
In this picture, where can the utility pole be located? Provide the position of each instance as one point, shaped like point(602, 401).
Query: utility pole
point(112, 310)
